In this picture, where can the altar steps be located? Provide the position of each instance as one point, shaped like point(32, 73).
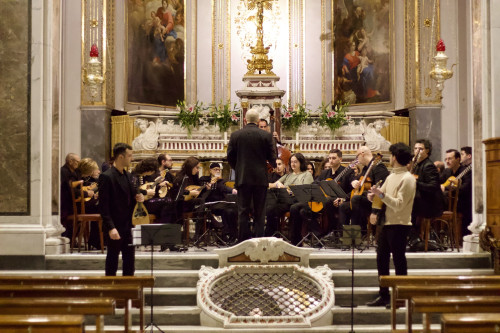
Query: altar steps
point(176, 275)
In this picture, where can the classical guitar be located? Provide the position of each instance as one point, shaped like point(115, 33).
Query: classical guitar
point(365, 181)
point(452, 178)
point(342, 174)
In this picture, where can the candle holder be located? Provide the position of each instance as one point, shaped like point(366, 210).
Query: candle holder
point(439, 72)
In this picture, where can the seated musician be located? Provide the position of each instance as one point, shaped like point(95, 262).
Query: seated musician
point(298, 176)
point(142, 171)
point(68, 175)
point(216, 192)
point(428, 198)
point(185, 191)
point(457, 170)
point(361, 206)
point(165, 163)
point(88, 171)
point(311, 168)
point(278, 172)
point(301, 210)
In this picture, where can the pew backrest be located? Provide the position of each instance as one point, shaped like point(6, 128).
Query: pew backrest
point(41, 323)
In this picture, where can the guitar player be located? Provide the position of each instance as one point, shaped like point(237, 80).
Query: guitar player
point(454, 168)
point(358, 209)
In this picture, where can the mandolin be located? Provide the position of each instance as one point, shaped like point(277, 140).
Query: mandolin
point(365, 181)
point(91, 187)
point(152, 185)
point(452, 178)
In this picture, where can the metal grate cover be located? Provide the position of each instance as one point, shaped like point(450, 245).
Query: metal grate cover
point(263, 294)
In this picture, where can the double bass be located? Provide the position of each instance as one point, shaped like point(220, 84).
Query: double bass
point(281, 151)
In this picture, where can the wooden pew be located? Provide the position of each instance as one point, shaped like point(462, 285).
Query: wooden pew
point(140, 281)
point(41, 324)
point(124, 292)
point(60, 306)
point(391, 281)
point(410, 291)
point(453, 304)
point(470, 323)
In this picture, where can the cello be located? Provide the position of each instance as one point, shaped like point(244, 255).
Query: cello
point(281, 151)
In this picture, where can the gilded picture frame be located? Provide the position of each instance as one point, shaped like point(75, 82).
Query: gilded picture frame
point(363, 51)
point(156, 52)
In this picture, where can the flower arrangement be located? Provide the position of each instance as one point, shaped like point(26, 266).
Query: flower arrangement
point(224, 116)
point(292, 118)
point(189, 115)
point(333, 117)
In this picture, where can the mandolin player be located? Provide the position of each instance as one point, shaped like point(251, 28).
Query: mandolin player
point(358, 209)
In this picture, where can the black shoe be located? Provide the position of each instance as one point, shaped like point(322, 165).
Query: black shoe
point(379, 301)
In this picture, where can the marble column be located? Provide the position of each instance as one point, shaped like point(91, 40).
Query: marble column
point(28, 230)
point(96, 132)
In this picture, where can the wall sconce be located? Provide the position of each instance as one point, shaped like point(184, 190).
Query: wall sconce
point(93, 72)
point(439, 72)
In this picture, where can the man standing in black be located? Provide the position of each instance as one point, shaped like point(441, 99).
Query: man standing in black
point(428, 198)
point(117, 198)
point(248, 150)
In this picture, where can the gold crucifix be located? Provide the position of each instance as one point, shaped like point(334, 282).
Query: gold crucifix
point(260, 61)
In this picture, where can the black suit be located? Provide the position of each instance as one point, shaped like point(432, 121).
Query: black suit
point(248, 150)
point(428, 197)
point(116, 205)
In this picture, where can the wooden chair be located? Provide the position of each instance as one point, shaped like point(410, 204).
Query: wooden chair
point(60, 306)
point(449, 220)
point(81, 221)
point(42, 323)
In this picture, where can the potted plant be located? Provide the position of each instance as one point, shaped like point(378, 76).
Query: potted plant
point(333, 117)
point(293, 117)
point(224, 116)
point(189, 115)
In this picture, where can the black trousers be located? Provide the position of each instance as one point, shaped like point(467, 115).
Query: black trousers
point(392, 240)
point(248, 194)
point(128, 255)
point(300, 213)
point(358, 215)
point(229, 213)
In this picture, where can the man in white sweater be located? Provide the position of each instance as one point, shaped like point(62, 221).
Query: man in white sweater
point(397, 194)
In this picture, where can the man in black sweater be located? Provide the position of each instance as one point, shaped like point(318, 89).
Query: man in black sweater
point(247, 153)
point(117, 199)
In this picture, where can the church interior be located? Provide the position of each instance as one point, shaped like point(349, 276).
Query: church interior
point(173, 80)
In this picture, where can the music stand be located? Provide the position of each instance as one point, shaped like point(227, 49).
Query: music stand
point(158, 234)
point(210, 232)
point(351, 236)
point(308, 193)
point(333, 189)
point(275, 196)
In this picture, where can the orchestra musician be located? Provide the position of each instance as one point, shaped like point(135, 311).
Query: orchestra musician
point(298, 176)
point(428, 197)
point(67, 176)
point(456, 169)
point(247, 153)
point(278, 172)
point(217, 193)
point(358, 209)
point(117, 199)
point(300, 211)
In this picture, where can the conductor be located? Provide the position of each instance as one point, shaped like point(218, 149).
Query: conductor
point(248, 150)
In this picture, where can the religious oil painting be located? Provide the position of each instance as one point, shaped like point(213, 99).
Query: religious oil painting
point(362, 51)
point(156, 52)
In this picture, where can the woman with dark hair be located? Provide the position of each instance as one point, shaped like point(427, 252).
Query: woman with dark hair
point(276, 208)
point(310, 168)
point(324, 165)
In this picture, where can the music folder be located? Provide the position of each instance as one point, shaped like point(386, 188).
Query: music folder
point(308, 193)
point(333, 189)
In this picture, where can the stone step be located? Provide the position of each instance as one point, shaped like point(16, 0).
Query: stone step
point(189, 278)
point(335, 259)
point(322, 329)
